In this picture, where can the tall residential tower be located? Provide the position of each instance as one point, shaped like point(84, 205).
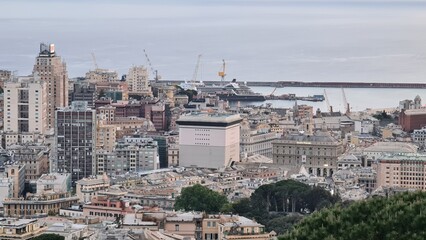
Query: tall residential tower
point(53, 71)
point(75, 137)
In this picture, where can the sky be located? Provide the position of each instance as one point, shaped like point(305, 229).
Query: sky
point(267, 40)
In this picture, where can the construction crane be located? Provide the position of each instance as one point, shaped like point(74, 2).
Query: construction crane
point(329, 108)
point(222, 73)
point(197, 67)
point(345, 101)
point(273, 91)
point(155, 72)
point(94, 61)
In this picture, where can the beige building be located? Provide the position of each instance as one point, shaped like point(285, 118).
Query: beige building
point(25, 110)
point(17, 174)
point(35, 205)
point(34, 157)
point(106, 113)
point(319, 152)
point(209, 140)
point(101, 75)
point(242, 228)
point(402, 170)
point(137, 79)
point(187, 224)
point(87, 188)
point(105, 136)
point(53, 71)
point(20, 229)
point(257, 139)
point(173, 155)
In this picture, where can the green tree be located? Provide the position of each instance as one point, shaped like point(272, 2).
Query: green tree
point(49, 236)
point(200, 198)
point(398, 217)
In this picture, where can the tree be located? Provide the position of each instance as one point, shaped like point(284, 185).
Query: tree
point(200, 198)
point(397, 217)
point(49, 236)
point(282, 224)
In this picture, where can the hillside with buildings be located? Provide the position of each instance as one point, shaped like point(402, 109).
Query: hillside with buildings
point(106, 156)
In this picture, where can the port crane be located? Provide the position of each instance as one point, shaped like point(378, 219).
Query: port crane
point(222, 73)
point(155, 72)
point(273, 91)
point(345, 101)
point(329, 108)
point(94, 61)
point(197, 67)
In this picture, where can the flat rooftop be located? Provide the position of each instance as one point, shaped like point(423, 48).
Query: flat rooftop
point(219, 119)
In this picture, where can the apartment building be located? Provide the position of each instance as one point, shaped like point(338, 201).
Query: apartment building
point(137, 79)
point(402, 170)
point(87, 188)
point(25, 110)
point(75, 138)
point(52, 70)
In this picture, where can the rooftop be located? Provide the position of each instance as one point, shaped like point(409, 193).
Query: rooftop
point(394, 147)
point(404, 157)
point(210, 118)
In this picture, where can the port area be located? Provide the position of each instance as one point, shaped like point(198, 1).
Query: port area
point(293, 97)
point(281, 84)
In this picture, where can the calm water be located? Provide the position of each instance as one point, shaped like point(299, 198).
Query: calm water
point(314, 40)
point(358, 98)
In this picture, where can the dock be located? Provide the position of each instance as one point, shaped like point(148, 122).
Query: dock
point(281, 84)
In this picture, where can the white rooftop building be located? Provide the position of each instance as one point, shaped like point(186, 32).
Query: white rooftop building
point(56, 182)
point(209, 140)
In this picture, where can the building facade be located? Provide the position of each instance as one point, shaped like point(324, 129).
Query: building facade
point(75, 136)
point(138, 81)
point(50, 68)
point(130, 155)
point(36, 205)
point(25, 110)
point(256, 141)
point(319, 153)
point(34, 157)
point(209, 140)
point(402, 170)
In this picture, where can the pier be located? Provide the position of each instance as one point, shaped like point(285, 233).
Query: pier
point(281, 84)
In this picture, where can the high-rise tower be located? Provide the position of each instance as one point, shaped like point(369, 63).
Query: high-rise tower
point(75, 138)
point(53, 71)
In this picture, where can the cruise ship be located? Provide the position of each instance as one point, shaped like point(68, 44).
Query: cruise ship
point(232, 92)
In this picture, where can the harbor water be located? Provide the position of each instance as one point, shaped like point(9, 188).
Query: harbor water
point(358, 98)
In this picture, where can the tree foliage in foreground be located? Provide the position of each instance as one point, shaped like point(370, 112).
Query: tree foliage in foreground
point(280, 205)
point(49, 236)
point(402, 216)
point(200, 198)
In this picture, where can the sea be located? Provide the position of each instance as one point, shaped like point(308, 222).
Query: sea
point(259, 40)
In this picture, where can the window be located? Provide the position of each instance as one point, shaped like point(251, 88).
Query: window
point(177, 227)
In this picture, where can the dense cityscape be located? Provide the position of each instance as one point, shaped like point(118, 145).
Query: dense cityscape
point(105, 156)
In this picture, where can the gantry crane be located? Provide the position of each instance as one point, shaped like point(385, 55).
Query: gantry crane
point(222, 73)
point(155, 72)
